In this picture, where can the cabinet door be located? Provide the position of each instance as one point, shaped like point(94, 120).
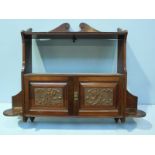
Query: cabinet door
point(100, 96)
point(47, 96)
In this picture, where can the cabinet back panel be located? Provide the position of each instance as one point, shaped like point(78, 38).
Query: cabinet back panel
point(81, 56)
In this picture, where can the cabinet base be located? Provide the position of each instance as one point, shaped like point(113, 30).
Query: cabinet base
point(18, 111)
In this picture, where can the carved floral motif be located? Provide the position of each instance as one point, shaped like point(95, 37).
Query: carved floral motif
point(48, 96)
point(98, 96)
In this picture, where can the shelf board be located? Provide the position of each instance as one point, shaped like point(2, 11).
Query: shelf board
point(71, 74)
point(77, 35)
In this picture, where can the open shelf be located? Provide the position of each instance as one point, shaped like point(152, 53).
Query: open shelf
point(92, 56)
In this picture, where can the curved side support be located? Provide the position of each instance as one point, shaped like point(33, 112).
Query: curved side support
point(131, 106)
point(131, 100)
point(17, 100)
point(16, 106)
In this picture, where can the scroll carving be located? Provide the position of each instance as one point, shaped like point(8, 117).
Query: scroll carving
point(48, 96)
point(98, 96)
point(87, 28)
point(65, 27)
point(62, 28)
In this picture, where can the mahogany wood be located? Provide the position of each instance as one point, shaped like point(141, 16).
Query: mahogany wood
point(62, 28)
point(16, 106)
point(87, 28)
point(74, 95)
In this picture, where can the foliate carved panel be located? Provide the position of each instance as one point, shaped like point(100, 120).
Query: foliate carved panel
point(98, 96)
point(48, 96)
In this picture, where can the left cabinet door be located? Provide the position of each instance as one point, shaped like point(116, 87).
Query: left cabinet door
point(47, 95)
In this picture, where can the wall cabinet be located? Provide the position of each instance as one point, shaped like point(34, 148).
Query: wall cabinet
point(82, 74)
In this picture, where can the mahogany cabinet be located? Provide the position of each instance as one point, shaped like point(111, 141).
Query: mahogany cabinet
point(82, 88)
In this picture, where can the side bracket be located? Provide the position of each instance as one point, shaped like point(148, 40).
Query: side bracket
point(16, 106)
point(131, 106)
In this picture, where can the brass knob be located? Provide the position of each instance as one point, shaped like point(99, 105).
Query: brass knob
point(76, 96)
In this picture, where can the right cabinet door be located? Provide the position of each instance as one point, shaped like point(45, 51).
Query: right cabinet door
point(101, 96)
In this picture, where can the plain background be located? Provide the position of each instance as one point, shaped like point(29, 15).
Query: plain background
point(91, 144)
point(140, 53)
